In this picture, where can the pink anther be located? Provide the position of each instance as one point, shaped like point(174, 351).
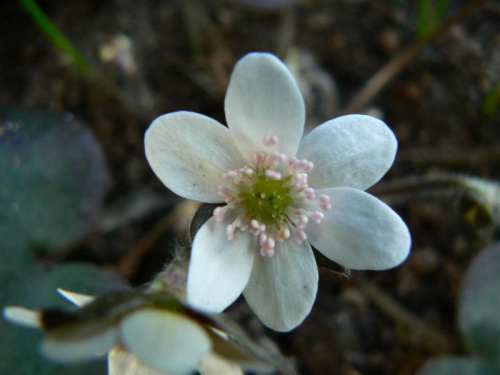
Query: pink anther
point(271, 140)
point(317, 217)
point(303, 221)
point(230, 229)
point(258, 226)
point(274, 175)
point(262, 239)
point(278, 157)
point(324, 202)
point(301, 177)
point(305, 165)
point(225, 192)
point(293, 163)
point(230, 175)
point(247, 171)
point(309, 193)
point(284, 234)
point(299, 236)
point(258, 158)
point(219, 213)
point(267, 247)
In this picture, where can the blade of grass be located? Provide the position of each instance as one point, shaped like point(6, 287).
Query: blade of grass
point(491, 102)
point(426, 18)
point(441, 7)
point(55, 35)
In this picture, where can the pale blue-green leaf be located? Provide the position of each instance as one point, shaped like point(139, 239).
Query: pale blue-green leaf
point(479, 317)
point(458, 366)
point(52, 183)
point(35, 287)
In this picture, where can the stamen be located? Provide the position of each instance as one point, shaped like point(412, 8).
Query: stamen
point(305, 165)
point(267, 247)
point(293, 163)
point(225, 192)
point(300, 181)
point(284, 234)
point(268, 196)
point(299, 236)
point(317, 217)
point(230, 229)
point(309, 193)
point(271, 140)
point(273, 174)
point(324, 202)
point(220, 213)
point(303, 221)
point(262, 239)
point(230, 175)
point(248, 171)
point(242, 224)
point(259, 158)
point(257, 227)
point(277, 157)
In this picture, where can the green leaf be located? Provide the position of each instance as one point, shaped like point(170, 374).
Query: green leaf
point(491, 101)
point(479, 309)
point(52, 183)
point(55, 35)
point(36, 287)
point(458, 366)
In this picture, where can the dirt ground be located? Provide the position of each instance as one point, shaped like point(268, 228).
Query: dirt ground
point(178, 55)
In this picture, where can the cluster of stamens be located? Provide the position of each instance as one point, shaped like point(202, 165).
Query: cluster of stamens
point(268, 198)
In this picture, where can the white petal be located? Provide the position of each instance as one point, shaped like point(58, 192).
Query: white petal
point(79, 344)
point(164, 340)
point(219, 268)
point(235, 354)
point(214, 365)
point(264, 99)
point(360, 231)
point(349, 151)
point(282, 289)
point(122, 362)
point(189, 153)
point(79, 299)
point(22, 316)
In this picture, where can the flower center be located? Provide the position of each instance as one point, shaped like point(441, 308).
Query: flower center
point(270, 198)
point(267, 200)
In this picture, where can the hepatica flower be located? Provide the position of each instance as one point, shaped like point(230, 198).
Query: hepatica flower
point(153, 333)
point(279, 194)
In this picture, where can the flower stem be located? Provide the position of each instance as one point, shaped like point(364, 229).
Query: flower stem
point(174, 278)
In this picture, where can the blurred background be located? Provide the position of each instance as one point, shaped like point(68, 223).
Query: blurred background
point(81, 80)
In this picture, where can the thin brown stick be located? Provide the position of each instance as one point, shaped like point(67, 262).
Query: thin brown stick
point(378, 81)
point(436, 340)
point(130, 261)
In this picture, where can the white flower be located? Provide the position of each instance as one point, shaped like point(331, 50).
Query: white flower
point(147, 338)
point(282, 194)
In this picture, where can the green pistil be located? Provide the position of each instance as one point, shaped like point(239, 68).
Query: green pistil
point(267, 200)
